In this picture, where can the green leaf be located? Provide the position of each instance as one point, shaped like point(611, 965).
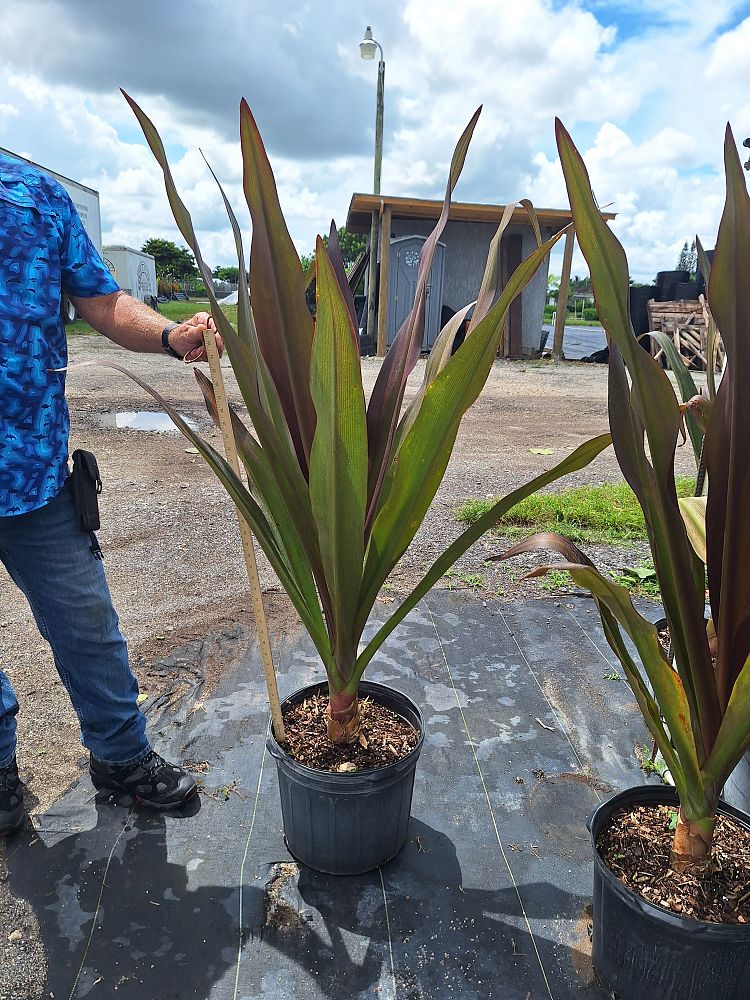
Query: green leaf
point(261, 398)
point(734, 735)
point(338, 460)
point(639, 572)
point(248, 364)
point(422, 451)
point(388, 392)
point(248, 507)
point(728, 434)
point(687, 386)
point(668, 693)
point(283, 320)
point(644, 405)
point(337, 262)
point(492, 280)
point(693, 510)
point(579, 459)
point(292, 531)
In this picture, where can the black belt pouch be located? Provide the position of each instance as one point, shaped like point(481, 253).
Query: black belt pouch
point(85, 485)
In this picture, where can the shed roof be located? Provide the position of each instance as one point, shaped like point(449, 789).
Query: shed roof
point(362, 206)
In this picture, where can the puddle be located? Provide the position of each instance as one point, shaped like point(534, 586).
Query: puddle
point(144, 420)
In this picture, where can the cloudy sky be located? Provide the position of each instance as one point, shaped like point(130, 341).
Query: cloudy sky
point(645, 88)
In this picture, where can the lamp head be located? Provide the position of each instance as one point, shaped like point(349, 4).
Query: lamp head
point(368, 46)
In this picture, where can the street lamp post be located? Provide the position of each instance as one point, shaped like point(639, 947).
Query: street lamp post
point(367, 49)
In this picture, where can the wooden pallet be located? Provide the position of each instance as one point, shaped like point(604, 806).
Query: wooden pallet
point(685, 322)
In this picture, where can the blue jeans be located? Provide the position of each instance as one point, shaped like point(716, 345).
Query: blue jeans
point(48, 557)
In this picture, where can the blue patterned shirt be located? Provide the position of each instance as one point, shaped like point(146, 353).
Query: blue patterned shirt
point(43, 249)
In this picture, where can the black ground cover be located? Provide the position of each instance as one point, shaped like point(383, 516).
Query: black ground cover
point(525, 734)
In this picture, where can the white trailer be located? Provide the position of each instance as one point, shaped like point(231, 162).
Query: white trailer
point(134, 271)
point(86, 201)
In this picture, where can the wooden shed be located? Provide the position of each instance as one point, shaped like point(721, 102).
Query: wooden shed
point(466, 240)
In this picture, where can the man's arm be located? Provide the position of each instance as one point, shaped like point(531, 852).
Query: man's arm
point(133, 325)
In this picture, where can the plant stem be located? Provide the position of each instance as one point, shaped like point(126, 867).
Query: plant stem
point(693, 838)
point(343, 719)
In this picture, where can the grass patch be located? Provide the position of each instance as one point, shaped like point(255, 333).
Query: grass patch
point(605, 513)
point(173, 312)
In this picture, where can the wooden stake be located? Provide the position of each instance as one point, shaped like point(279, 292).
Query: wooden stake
point(562, 295)
point(248, 547)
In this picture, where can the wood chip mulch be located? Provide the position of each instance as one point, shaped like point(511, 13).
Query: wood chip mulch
point(636, 847)
point(386, 737)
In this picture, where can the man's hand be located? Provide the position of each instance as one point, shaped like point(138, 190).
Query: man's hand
point(187, 338)
point(136, 327)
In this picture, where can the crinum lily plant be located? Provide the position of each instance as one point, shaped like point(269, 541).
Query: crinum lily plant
point(337, 488)
point(698, 709)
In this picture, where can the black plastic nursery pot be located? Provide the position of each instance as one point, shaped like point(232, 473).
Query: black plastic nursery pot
point(350, 823)
point(645, 952)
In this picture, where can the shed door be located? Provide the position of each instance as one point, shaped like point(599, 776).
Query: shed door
point(404, 268)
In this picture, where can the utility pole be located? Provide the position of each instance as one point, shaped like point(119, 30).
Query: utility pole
point(367, 48)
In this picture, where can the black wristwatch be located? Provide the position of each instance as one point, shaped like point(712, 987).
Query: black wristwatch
point(168, 349)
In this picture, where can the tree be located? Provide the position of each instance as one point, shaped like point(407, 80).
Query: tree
point(231, 274)
point(688, 259)
point(352, 245)
point(171, 261)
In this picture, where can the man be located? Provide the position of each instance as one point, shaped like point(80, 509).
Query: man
point(44, 250)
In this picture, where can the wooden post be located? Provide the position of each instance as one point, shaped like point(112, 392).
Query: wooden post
point(515, 310)
point(372, 270)
point(562, 296)
point(385, 261)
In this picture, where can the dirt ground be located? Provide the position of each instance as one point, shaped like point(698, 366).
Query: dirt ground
point(170, 535)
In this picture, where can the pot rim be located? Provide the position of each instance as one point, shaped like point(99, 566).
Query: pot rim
point(659, 795)
point(278, 751)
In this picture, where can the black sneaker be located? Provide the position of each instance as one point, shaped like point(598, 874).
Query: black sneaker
point(11, 799)
point(151, 781)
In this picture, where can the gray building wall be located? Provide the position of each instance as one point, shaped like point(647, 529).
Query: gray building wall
point(467, 245)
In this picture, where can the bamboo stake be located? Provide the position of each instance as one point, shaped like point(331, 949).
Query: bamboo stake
point(248, 547)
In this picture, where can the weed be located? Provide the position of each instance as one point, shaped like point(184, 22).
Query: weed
point(555, 579)
point(652, 764)
point(640, 579)
point(613, 676)
point(457, 580)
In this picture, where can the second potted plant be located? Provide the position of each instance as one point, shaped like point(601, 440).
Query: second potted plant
point(672, 866)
